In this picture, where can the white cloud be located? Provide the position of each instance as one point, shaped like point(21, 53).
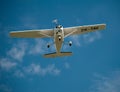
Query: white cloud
point(7, 64)
point(67, 65)
point(38, 70)
point(110, 83)
point(4, 88)
point(76, 40)
point(33, 68)
point(52, 70)
point(85, 38)
point(38, 48)
point(29, 22)
point(17, 52)
point(91, 37)
point(19, 73)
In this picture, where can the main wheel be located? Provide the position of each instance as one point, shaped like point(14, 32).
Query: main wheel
point(48, 46)
point(70, 43)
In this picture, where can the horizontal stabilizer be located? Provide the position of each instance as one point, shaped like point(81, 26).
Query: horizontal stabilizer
point(53, 55)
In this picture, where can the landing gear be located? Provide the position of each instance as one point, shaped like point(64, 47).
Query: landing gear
point(70, 43)
point(59, 38)
point(48, 46)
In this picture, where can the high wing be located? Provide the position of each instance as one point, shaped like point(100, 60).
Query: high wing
point(33, 33)
point(82, 29)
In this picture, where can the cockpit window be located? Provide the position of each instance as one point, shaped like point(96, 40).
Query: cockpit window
point(59, 26)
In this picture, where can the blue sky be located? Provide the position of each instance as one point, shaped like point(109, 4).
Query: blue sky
point(94, 65)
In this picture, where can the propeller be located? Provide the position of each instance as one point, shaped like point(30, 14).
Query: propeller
point(55, 21)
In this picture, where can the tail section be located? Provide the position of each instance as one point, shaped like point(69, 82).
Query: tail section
point(53, 55)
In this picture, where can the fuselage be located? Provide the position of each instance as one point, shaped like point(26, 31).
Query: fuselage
point(58, 37)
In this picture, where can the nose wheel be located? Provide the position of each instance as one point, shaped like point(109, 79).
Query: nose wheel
point(59, 38)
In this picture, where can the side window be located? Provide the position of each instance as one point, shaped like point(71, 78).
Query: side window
point(59, 30)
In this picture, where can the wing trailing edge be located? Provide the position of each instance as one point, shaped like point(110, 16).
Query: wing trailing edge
point(32, 33)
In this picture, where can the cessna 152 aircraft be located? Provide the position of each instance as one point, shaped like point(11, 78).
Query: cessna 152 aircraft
point(58, 34)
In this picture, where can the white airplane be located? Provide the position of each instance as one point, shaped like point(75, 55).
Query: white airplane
point(58, 34)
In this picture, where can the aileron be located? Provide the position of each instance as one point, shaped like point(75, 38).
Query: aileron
point(32, 33)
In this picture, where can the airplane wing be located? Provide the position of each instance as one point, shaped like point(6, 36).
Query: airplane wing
point(82, 29)
point(33, 33)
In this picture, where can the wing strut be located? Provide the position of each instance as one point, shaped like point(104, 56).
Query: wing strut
point(70, 33)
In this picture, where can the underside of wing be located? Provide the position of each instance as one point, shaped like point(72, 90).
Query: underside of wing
point(32, 33)
point(83, 29)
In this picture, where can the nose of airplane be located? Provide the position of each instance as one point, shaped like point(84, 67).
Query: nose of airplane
point(59, 26)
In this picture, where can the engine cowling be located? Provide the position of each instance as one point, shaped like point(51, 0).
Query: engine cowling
point(70, 43)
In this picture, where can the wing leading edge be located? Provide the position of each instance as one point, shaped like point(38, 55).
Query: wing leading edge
point(83, 29)
point(33, 33)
